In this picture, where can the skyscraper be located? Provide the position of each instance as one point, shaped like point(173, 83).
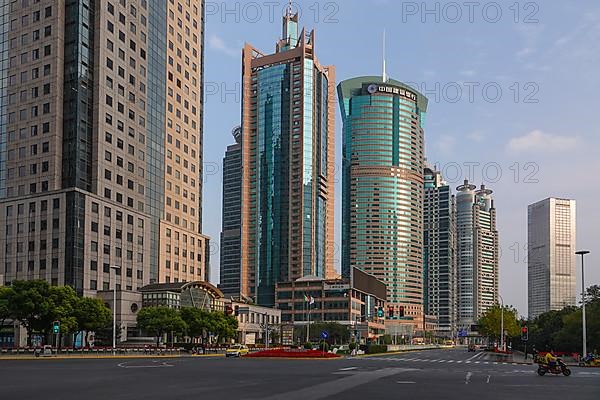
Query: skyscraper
point(382, 198)
point(231, 218)
point(439, 252)
point(101, 142)
point(477, 250)
point(288, 155)
point(551, 245)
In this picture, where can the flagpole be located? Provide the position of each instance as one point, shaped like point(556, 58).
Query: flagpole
point(308, 325)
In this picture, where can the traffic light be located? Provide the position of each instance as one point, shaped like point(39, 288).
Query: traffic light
point(228, 310)
point(56, 327)
point(401, 311)
point(390, 312)
point(380, 313)
point(236, 311)
point(524, 334)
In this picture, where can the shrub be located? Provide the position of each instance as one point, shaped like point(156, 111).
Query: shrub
point(376, 348)
point(324, 346)
point(352, 346)
point(308, 346)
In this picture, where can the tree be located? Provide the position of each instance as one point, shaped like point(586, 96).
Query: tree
point(198, 322)
point(223, 326)
point(91, 315)
point(160, 320)
point(5, 311)
point(490, 322)
point(592, 294)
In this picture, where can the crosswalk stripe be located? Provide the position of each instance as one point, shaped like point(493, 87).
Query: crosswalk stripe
point(476, 362)
point(459, 361)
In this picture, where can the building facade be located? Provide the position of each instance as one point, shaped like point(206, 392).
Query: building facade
point(382, 189)
point(477, 253)
point(101, 143)
point(231, 219)
point(551, 259)
point(353, 302)
point(287, 164)
point(439, 252)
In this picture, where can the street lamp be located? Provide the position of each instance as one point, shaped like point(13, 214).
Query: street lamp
point(583, 253)
point(114, 344)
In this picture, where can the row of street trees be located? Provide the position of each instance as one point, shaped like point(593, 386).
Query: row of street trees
point(191, 322)
point(559, 330)
point(36, 305)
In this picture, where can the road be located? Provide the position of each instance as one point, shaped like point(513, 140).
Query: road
point(434, 374)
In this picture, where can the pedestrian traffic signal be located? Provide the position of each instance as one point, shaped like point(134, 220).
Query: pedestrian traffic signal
point(524, 334)
point(56, 327)
point(390, 312)
point(401, 311)
point(380, 313)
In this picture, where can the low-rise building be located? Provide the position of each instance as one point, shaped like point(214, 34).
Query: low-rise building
point(358, 302)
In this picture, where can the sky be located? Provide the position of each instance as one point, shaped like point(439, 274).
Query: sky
point(513, 100)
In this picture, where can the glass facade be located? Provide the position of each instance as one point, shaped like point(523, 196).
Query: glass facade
point(383, 185)
point(4, 68)
point(155, 170)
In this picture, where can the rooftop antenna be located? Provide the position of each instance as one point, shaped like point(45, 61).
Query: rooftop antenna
point(289, 8)
point(384, 75)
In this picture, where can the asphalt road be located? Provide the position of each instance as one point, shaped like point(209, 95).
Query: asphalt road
point(434, 374)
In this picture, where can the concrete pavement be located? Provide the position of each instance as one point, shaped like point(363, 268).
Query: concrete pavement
point(434, 374)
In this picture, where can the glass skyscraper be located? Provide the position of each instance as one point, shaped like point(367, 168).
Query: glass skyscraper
point(382, 204)
point(287, 164)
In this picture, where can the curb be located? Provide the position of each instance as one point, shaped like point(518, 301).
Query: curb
point(29, 358)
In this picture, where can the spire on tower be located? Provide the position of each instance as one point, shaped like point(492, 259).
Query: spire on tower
point(384, 74)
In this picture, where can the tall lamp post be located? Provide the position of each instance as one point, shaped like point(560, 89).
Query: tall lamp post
point(583, 253)
point(114, 344)
point(501, 323)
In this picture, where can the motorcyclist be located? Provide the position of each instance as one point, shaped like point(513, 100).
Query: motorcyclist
point(550, 359)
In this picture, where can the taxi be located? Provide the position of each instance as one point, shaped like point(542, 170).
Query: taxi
point(237, 350)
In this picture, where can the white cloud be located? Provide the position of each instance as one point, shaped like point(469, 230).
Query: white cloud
point(476, 136)
point(218, 44)
point(539, 141)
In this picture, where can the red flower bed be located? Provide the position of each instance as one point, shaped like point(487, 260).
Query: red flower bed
point(285, 353)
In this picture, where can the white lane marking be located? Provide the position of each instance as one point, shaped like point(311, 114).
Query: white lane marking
point(488, 379)
point(157, 365)
point(442, 361)
point(468, 377)
point(459, 362)
point(405, 382)
point(476, 362)
point(467, 362)
point(347, 369)
point(450, 361)
point(495, 363)
point(475, 356)
point(485, 362)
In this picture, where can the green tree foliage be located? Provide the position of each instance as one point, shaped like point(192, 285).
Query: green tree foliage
point(224, 326)
point(490, 322)
point(160, 320)
point(562, 330)
point(91, 315)
point(198, 322)
point(5, 312)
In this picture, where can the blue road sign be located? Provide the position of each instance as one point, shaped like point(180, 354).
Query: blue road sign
point(324, 335)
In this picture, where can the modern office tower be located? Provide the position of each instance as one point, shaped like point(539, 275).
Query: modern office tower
point(288, 155)
point(551, 260)
point(439, 252)
point(231, 218)
point(382, 203)
point(101, 142)
point(477, 251)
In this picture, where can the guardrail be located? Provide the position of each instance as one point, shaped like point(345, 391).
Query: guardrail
point(96, 351)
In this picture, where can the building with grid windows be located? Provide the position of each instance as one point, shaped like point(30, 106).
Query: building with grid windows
point(551, 259)
point(101, 142)
point(287, 164)
point(382, 189)
point(477, 252)
point(439, 252)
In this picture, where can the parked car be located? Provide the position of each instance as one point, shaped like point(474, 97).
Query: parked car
point(237, 350)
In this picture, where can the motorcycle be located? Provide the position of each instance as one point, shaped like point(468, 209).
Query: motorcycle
point(559, 368)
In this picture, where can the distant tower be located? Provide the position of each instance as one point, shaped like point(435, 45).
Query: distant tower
point(439, 252)
point(230, 277)
point(551, 260)
point(477, 249)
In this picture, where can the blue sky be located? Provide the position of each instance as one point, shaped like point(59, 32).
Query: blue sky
point(512, 88)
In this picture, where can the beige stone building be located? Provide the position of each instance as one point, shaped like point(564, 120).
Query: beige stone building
point(101, 142)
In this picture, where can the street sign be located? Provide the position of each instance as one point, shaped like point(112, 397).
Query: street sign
point(324, 335)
